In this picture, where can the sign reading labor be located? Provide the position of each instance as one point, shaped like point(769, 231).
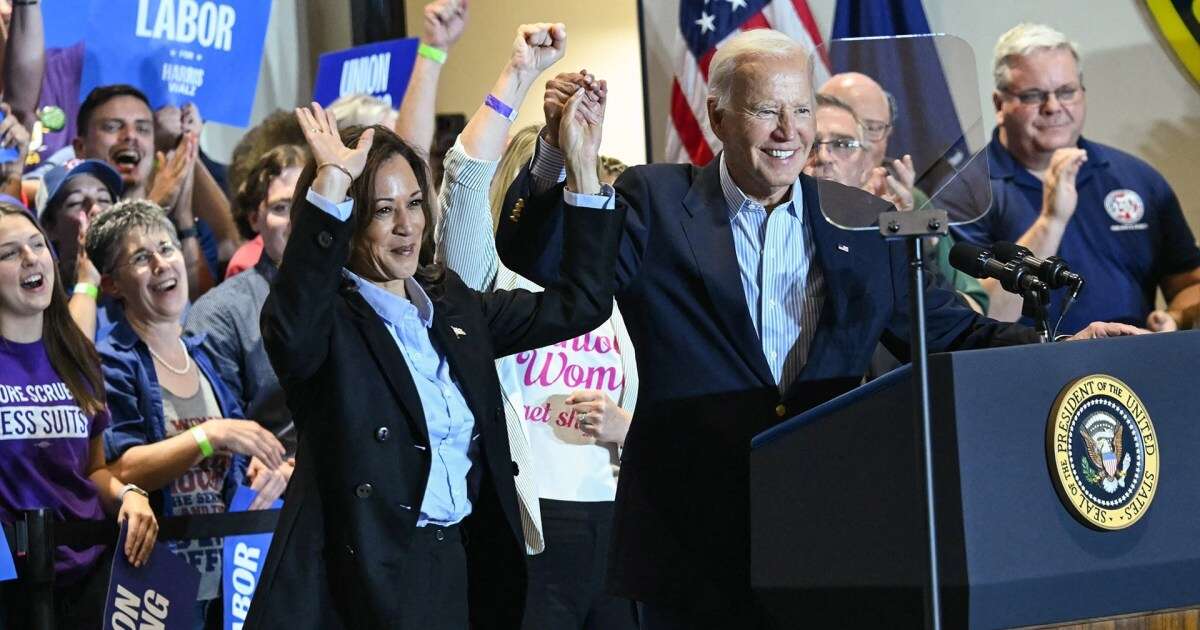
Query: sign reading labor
point(244, 559)
point(207, 52)
point(159, 594)
point(381, 70)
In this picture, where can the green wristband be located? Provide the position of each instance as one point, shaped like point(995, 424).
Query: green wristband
point(202, 441)
point(431, 53)
point(87, 288)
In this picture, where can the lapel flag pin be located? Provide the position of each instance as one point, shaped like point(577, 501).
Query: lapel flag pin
point(844, 248)
point(458, 332)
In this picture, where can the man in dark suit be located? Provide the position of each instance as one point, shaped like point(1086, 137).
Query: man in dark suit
point(746, 307)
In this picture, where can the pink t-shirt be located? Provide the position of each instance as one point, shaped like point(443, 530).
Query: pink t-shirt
point(570, 465)
point(245, 257)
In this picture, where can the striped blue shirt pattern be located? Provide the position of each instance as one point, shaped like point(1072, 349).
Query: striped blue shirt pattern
point(784, 287)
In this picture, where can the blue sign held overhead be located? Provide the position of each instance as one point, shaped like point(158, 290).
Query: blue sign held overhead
point(381, 70)
point(159, 594)
point(8, 570)
point(179, 51)
point(243, 563)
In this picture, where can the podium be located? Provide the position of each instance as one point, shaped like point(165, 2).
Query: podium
point(837, 508)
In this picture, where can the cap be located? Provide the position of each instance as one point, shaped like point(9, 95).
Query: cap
point(52, 183)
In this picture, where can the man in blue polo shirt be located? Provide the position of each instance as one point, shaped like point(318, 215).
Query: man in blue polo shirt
point(1113, 218)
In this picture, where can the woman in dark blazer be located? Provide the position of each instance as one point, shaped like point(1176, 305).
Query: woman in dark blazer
point(402, 510)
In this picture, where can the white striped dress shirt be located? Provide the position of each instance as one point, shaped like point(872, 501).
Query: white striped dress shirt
point(784, 288)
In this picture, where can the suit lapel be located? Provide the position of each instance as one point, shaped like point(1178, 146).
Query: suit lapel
point(708, 232)
point(453, 339)
point(391, 363)
point(836, 252)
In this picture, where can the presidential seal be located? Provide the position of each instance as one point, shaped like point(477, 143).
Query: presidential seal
point(1102, 452)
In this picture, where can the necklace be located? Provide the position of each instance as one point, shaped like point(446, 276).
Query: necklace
point(187, 365)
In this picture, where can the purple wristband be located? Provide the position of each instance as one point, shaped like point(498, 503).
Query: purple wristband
point(499, 107)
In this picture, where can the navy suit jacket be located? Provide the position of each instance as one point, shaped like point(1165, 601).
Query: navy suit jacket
point(681, 522)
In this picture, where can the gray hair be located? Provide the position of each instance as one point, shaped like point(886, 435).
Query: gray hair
point(362, 110)
point(1025, 39)
point(759, 43)
point(107, 232)
point(825, 100)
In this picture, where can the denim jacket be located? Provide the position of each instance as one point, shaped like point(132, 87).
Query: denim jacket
point(135, 401)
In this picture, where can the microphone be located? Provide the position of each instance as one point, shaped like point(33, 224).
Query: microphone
point(981, 263)
point(1053, 270)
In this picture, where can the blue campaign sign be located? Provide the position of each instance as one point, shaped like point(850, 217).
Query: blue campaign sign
point(243, 563)
point(8, 571)
point(159, 594)
point(61, 24)
point(180, 51)
point(381, 69)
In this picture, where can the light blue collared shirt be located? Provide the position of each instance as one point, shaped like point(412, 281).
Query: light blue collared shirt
point(448, 419)
point(784, 289)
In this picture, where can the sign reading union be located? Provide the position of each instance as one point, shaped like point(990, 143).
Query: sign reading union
point(1103, 452)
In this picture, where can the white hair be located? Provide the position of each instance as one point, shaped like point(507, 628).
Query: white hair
point(1025, 39)
point(360, 109)
point(759, 43)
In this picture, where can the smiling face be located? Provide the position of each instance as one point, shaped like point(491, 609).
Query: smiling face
point(1033, 132)
point(121, 132)
point(149, 276)
point(26, 269)
point(768, 126)
point(389, 249)
point(273, 219)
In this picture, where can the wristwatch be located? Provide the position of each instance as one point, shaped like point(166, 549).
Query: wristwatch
point(186, 232)
point(129, 487)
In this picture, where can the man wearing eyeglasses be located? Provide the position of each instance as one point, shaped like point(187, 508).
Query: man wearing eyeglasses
point(1110, 215)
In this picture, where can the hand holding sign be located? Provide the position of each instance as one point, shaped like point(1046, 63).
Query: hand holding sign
point(537, 47)
point(269, 483)
point(337, 164)
point(445, 21)
point(141, 530)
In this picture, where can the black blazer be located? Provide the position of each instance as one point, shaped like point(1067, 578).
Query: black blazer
point(363, 457)
point(681, 525)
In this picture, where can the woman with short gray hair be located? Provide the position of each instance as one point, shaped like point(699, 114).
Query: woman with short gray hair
point(176, 429)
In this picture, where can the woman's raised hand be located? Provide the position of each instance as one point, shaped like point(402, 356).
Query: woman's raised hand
point(537, 47)
point(337, 164)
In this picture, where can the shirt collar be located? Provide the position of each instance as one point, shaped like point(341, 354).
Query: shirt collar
point(391, 307)
point(737, 201)
point(266, 268)
point(1004, 165)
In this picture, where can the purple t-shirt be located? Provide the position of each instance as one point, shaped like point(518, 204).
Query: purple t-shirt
point(60, 87)
point(44, 438)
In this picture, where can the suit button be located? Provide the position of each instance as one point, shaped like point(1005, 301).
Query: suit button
point(325, 239)
point(440, 535)
point(363, 490)
point(381, 434)
point(780, 410)
point(350, 551)
point(516, 469)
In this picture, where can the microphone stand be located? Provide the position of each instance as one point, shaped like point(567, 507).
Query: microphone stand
point(1036, 306)
point(913, 226)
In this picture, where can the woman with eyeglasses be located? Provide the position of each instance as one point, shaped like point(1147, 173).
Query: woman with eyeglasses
point(176, 429)
point(52, 421)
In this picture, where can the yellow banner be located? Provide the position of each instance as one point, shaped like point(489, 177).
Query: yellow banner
point(1179, 21)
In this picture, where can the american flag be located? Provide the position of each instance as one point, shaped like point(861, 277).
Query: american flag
point(704, 25)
